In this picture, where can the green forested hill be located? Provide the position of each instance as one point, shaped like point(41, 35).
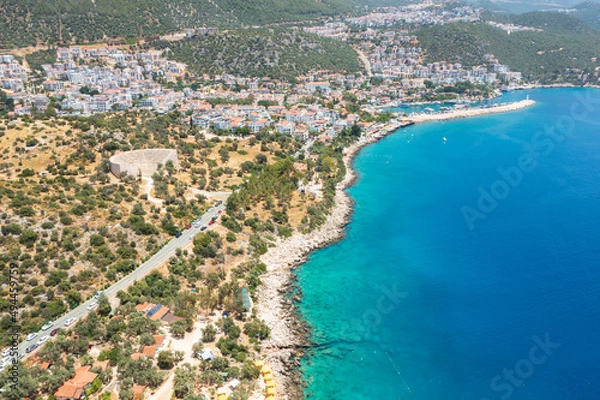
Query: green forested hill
point(381, 3)
point(565, 44)
point(259, 12)
point(275, 53)
point(27, 22)
point(553, 22)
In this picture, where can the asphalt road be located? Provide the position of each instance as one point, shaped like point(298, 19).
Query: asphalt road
point(154, 262)
point(304, 148)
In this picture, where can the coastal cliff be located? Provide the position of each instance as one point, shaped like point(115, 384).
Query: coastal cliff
point(289, 336)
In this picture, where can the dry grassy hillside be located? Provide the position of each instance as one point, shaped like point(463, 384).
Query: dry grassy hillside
point(74, 228)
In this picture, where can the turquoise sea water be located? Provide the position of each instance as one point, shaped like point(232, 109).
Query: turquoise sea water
point(434, 296)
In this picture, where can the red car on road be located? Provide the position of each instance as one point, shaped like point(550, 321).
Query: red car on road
point(211, 222)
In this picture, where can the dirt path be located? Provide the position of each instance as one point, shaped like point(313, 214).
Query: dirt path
point(365, 61)
point(165, 391)
point(209, 194)
point(147, 188)
point(184, 345)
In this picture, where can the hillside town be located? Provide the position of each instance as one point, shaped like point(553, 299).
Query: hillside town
point(85, 81)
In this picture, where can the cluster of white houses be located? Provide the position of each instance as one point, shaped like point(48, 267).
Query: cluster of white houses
point(13, 76)
point(301, 122)
point(423, 13)
point(87, 80)
point(93, 80)
point(391, 56)
point(333, 30)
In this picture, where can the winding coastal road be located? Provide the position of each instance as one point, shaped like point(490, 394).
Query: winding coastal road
point(154, 262)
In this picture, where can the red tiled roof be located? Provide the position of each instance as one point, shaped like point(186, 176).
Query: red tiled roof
point(68, 391)
point(102, 364)
point(138, 392)
point(158, 339)
point(74, 387)
point(144, 307)
point(160, 313)
point(83, 376)
point(149, 351)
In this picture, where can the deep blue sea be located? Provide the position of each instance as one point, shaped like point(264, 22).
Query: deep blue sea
point(471, 265)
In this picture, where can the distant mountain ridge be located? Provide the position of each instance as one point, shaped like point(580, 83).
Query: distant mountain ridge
point(550, 21)
point(589, 12)
point(523, 6)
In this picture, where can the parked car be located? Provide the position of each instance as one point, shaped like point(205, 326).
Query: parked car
point(47, 325)
point(42, 340)
point(211, 222)
point(189, 226)
point(92, 306)
point(178, 234)
point(97, 295)
point(54, 332)
point(218, 203)
point(203, 228)
point(31, 336)
point(69, 321)
point(6, 352)
point(30, 348)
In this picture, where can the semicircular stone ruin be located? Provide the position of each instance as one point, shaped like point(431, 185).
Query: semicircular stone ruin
point(144, 162)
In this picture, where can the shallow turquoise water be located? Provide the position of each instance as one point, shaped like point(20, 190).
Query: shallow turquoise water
point(418, 303)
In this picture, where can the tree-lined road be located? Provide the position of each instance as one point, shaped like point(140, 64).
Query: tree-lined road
point(163, 255)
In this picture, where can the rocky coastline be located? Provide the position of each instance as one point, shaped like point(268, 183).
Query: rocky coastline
point(289, 339)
